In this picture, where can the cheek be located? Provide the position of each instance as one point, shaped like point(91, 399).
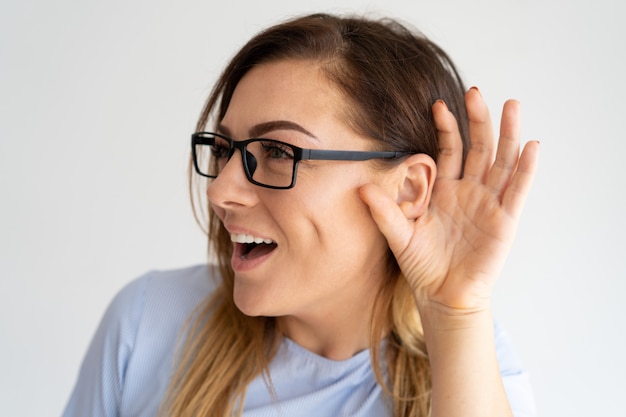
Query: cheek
point(325, 209)
point(218, 211)
point(335, 217)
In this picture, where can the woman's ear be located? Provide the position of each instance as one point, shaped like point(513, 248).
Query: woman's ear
point(415, 186)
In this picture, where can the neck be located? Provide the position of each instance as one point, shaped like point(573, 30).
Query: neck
point(335, 333)
point(335, 344)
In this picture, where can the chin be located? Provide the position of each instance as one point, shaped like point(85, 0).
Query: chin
point(251, 304)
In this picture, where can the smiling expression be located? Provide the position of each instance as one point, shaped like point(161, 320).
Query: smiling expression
point(314, 249)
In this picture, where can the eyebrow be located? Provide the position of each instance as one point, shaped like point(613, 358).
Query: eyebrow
point(262, 128)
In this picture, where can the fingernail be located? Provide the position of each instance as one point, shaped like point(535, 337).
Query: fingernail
point(477, 90)
point(442, 102)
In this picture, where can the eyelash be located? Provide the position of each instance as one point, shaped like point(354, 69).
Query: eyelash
point(219, 151)
point(285, 151)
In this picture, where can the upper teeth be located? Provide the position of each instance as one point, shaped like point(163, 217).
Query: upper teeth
point(243, 238)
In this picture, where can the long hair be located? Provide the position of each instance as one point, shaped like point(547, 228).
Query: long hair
point(390, 77)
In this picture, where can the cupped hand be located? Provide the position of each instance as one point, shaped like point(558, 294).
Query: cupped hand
point(452, 254)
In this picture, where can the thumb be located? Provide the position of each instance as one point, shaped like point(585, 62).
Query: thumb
point(388, 216)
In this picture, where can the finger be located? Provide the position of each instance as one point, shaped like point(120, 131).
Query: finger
point(508, 148)
point(515, 195)
point(481, 151)
point(388, 217)
point(450, 158)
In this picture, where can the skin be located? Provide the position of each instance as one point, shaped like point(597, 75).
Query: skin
point(321, 279)
point(453, 252)
point(450, 231)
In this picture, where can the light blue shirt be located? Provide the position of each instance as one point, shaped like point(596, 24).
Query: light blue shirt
point(127, 368)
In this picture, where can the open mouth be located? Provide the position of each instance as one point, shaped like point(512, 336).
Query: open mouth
point(250, 247)
point(256, 250)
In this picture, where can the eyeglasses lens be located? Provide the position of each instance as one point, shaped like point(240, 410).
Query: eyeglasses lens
point(268, 162)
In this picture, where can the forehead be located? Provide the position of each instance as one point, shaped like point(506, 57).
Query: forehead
point(292, 90)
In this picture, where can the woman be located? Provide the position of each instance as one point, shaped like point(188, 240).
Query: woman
point(360, 222)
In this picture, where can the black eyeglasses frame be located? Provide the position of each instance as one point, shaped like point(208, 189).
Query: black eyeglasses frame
point(299, 154)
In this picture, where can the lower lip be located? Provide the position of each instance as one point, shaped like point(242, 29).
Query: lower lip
point(241, 264)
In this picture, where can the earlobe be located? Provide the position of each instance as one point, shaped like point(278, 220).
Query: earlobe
point(416, 185)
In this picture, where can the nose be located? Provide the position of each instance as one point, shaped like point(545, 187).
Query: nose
point(231, 188)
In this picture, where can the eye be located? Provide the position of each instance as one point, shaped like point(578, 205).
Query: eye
point(276, 150)
point(220, 149)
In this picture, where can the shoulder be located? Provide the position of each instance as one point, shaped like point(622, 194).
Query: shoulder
point(515, 378)
point(127, 366)
point(176, 291)
point(198, 279)
point(146, 318)
point(157, 300)
point(166, 300)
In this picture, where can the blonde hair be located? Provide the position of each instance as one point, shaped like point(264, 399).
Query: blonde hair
point(391, 77)
point(211, 378)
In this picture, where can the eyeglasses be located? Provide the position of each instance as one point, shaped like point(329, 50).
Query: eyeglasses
point(267, 162)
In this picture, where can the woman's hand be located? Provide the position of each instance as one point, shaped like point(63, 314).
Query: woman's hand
point(452, 254)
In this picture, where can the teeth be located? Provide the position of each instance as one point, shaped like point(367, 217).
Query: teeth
point(244, 238)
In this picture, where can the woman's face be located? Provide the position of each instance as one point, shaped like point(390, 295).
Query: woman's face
point(326, 255)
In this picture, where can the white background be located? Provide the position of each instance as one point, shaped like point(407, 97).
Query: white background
point(97, 101)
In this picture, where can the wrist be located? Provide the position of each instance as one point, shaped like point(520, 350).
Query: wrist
point(439, 318)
